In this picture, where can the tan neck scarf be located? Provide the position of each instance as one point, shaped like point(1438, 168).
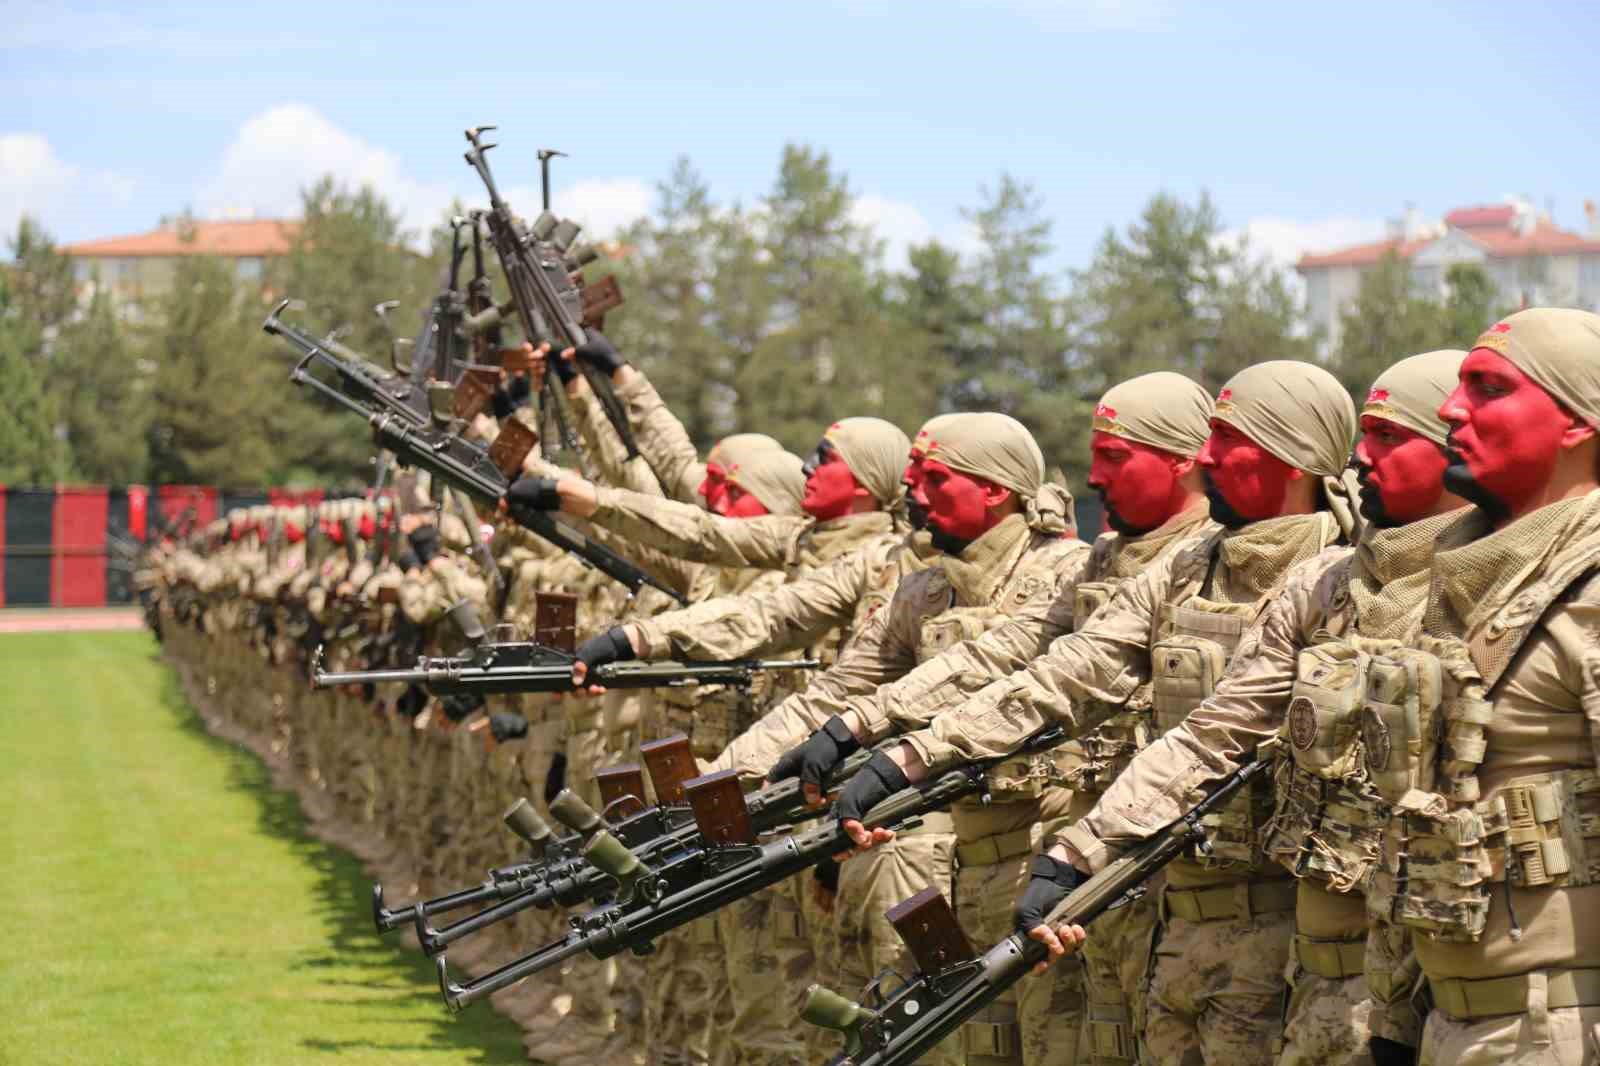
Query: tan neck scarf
point(1390, 575)
point(1130, 555)
point(1477, 571)
point(1255, 559)
point(979, 571)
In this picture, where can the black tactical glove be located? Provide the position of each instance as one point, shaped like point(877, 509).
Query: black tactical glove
point(600, 353)
point(565, 369)
point(1390, 1052)
point(1049, 881)
point(407, 561)
point(875, 782)
point(411, 701)
point(612, 646)
point(537, 493)
point(515, 393)
point(457, 705)
point(425, 543)
point(821, 753)
point(507, 725)
point(555, 779)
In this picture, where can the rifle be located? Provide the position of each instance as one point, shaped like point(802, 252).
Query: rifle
point(496, 669)
point(655, 834)
point(541, 264)
point(726, 863)
point(430, 443)
point(953, 984)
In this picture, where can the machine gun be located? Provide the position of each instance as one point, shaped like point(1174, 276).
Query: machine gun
point(430, 442)
point(541, 262)
point(724, 863)
point(953, 983)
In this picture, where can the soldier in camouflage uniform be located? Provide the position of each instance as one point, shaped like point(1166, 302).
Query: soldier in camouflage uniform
point(1280, 435)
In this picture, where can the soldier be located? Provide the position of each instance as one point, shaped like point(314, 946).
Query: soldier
point(1280, 435)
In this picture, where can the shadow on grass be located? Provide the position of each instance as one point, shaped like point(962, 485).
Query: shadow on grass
point(343, 889)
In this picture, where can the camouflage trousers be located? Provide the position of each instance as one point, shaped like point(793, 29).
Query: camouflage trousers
point(1393, 974)
point(685, 996)
point(1326, 1024)
point(871, 883)
point(1116, 972)
point(1037, 1021)
point(769, 963)
point(1217, 990)
point(1564, 1036)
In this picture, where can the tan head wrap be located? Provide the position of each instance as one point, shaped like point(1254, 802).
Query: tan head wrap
point(1298, 412)
point(1163, 409)
point(735, 446)
point(772, 476)
point(875, 451)
point(1557, 347)
point(1000, 449)
point(1411, 392)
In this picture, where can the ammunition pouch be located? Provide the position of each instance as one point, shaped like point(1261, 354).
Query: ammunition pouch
point(1329, 820)
point(1185, 668)
point(1107, 751)
point(1088, 597)
point(944, 631)
point(1545, 830)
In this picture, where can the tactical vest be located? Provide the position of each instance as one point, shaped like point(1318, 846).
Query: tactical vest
point(1104, 753)
point(1423, 727)
point(1198, 636)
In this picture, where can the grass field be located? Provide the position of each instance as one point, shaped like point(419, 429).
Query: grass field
point(164, 902)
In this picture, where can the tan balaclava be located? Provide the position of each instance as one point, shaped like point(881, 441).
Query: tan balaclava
point(1411, 392)
point(1000, 449)
point(772, 476)
point(875, 451)
point(1559, 348)
point(1163, 410)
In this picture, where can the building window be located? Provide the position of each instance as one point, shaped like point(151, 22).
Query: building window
point(248, 269)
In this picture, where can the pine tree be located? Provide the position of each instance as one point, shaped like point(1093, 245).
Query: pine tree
point(106, 396)
point(36, 299)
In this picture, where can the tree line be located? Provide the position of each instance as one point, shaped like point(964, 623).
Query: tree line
point(779, 315)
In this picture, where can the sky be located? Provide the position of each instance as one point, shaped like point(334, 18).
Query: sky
point(1309, 124)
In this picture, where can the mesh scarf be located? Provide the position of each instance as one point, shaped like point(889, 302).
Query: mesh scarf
point(1390, 574)
point(977, 573)
point(1130, 555)
point(1477, 571)
point(1255, 558)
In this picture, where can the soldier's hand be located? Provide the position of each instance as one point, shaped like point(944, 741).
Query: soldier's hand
point(599, 353)
point(816, 758)
point(538, 493)
point(612, 646)
point(1049, 882)
point(875, 782)
point(1060, 942)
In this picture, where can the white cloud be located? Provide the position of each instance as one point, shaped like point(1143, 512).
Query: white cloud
point(601, 205)
point(1283, 241)
point(35, 181)
point(288, 147)
point(900, 225)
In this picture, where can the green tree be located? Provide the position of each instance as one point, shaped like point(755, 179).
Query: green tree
point(218, 383)
point(1471, 306)
point(105, 396)
point(1170, 293)
point(36, 298)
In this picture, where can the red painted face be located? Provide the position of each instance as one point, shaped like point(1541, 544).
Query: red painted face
point(958, 504)
point(1401, 472)
point(368, 526)
point(1139, 484)
point(1505, 434)
point(335, 532)
point(1250, 482)
point(738, 503)
point(714, 489)
point(830, 486)
point(293, 533)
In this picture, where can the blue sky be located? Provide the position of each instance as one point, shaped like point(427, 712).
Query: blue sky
point(1310, 124)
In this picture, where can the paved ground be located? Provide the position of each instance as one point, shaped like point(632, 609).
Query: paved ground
point(67, 619)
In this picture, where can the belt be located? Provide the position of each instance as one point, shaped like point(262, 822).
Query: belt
point(1241, 900)
point(1333, 959)
point(1464, 999)
point(999, 848)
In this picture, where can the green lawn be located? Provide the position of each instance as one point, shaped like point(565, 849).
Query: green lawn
point(164, 902)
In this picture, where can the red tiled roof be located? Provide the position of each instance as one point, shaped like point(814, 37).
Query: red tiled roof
point(263, 237)
point(1498, 243)
point(1497, 215)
